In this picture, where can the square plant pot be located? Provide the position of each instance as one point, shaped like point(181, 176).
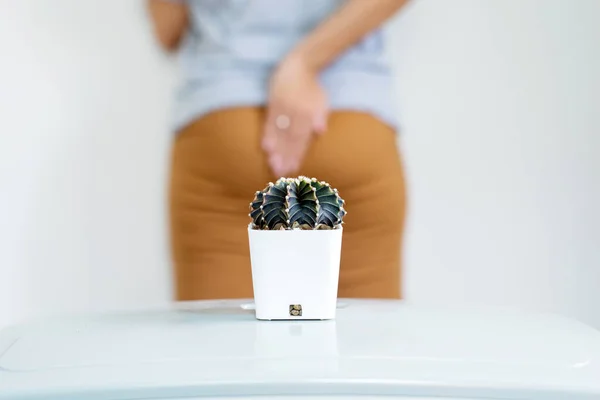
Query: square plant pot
point(295, 273)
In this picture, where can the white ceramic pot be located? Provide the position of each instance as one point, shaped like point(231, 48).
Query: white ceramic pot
point(295, 273)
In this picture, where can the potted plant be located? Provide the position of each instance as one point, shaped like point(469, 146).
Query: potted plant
point(295, 239)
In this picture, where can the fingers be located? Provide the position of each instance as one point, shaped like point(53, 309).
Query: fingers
point(296, 145)
point(271, 143)
point(269, 140)
point(288, 133)
point(320, 122)
point(286, 140)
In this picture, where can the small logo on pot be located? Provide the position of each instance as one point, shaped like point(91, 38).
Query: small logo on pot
point(295, 310)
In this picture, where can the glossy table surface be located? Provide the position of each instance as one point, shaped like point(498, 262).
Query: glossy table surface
point(374, 347)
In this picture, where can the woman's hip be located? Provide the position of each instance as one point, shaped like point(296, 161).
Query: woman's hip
point(222, 151)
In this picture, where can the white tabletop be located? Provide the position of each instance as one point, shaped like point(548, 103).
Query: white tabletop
point(372, 348)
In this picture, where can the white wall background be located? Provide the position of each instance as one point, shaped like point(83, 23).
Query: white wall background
point(500, 103)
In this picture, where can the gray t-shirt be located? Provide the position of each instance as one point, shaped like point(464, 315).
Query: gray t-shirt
point(233, 45)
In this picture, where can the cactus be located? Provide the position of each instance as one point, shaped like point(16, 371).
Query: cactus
point(297, 203)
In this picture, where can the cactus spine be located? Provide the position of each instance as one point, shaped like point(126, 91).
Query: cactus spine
point(297, 203)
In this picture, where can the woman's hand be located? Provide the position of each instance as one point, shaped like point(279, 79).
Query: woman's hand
point(297, 109)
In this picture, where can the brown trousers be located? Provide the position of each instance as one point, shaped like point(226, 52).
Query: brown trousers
point(218, 165)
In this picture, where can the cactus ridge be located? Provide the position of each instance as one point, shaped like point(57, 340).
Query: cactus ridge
point(275, 205)
point(256, 212)
point(331, 212)
point(303, 204)
point(297, 203)
point(341, 203)
point(329, 208)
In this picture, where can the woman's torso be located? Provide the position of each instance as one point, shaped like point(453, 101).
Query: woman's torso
point(233, 45)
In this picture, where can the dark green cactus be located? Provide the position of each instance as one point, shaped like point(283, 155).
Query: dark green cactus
point(297, 203)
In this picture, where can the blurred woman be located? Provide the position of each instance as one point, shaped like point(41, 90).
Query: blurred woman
point(273, 88)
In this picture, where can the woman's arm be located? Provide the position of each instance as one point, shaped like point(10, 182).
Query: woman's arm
point(297, 103)
point(343, 29)
point(170, 21)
